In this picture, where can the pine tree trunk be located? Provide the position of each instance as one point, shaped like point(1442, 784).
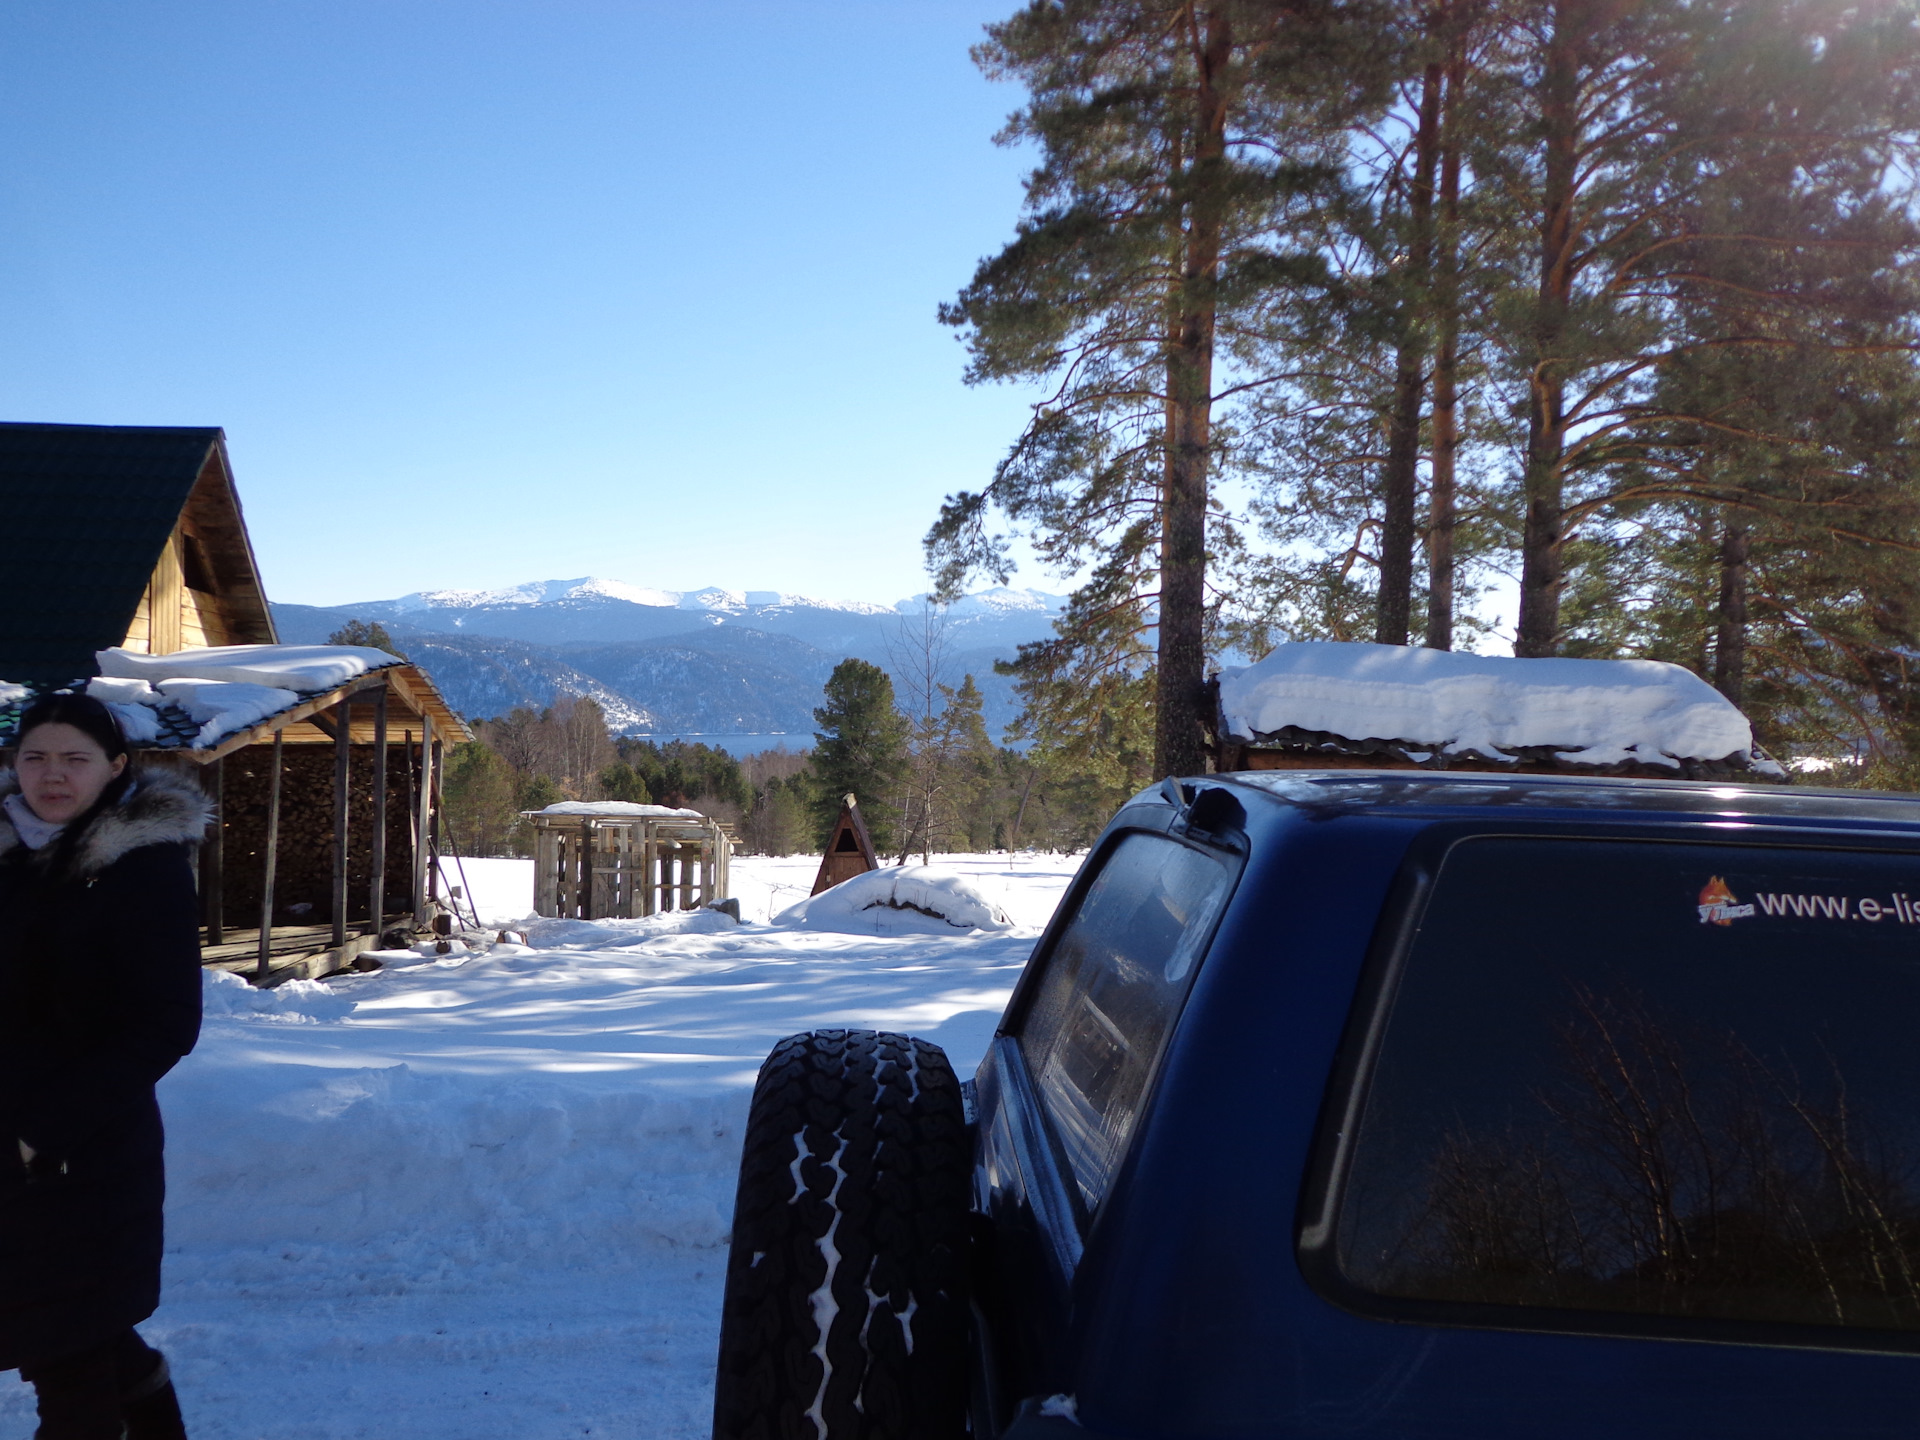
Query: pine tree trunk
point(1398, 482)
point(1541, 561)
point(1446, 365)
point(1179, 748)
point(1730, 641)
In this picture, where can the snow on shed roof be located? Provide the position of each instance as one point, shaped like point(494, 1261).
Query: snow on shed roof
point(194, 699)
point(619, 810)
point(1588, 713)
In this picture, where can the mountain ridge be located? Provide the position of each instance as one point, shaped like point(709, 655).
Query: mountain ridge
point(711, 661)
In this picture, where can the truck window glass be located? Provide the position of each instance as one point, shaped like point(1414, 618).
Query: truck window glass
point(1676, 1080)
point(1109, 994)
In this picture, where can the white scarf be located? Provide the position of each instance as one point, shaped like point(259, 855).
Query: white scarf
point(35, 833)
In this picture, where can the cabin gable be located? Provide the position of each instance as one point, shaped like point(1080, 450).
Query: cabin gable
point(205, 587)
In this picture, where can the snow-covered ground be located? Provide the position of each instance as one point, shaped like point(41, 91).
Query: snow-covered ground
point(487, 1195)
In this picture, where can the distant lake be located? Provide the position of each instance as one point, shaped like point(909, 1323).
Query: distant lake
point(733, 744)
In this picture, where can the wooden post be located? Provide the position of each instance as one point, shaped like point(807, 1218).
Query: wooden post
point(689, 859)
point(342, 758)
point(649, 863)
point(377, 888)
point(546, 870)
point(423, 803)
point(213, 857)
point(272, 851)
point(433, 825)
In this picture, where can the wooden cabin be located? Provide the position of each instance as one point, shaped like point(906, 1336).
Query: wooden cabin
point(132, 539)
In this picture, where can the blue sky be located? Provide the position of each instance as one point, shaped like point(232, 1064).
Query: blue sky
point(486, 291)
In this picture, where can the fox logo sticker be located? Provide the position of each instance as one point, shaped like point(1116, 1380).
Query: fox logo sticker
point(1719, 905)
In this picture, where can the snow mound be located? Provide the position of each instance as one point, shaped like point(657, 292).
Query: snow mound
point(1594, 712)
point(307, 669)
point(917, 900)
point(621, 809)
point(299, 1002)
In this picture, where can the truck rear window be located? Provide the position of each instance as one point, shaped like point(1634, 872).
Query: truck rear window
point(1675, 1080)
point(1110, 991)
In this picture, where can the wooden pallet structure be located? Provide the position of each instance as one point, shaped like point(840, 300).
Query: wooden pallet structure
point(612, 860)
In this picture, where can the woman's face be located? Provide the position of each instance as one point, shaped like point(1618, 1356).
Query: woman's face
point(62, 771)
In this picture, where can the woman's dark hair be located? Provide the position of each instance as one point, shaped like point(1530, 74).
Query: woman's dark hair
point(99, 724)
point(82, 712)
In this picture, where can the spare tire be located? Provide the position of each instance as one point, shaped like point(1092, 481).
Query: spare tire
point(845, 1314)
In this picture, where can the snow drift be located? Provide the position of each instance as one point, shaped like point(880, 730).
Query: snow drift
point(901, 900)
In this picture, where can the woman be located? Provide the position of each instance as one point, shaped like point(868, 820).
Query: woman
point(99, 997)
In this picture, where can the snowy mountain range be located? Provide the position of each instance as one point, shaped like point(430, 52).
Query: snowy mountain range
point(712, 661)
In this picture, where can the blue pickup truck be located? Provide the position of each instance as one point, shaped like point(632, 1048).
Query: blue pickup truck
point(1378, 1104)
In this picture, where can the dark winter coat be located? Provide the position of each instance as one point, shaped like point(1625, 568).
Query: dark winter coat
point(99, 997)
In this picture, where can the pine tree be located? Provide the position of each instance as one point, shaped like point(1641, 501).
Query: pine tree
point(619, 781)
point(370, 636)
point(1142, 243)
point(860, 748)
point(481, 805)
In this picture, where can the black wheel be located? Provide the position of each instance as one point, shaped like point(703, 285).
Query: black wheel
point(851, 1220)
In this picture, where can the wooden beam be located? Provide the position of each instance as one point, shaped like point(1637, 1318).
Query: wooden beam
point(271, 727)
point(433, 825)
point(377, 889)
point(213, 858)
point(423, 814)
point(168, 591)
point(272, 851)
point(342, 795)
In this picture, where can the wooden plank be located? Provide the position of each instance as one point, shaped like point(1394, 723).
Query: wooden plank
point(299, 959)
point(434, 773)
point(342, 798)
point(377, 886)
point(423, 803)
point(213, 858)
point(546, 872)
point(271, 849)
point(285, 720)
point(141, 625)
point(169, 595)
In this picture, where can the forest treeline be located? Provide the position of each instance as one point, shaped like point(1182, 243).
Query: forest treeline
point(1347, 312)
point(927, 781)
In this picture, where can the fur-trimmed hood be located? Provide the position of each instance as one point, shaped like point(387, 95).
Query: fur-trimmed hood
point(165, 808)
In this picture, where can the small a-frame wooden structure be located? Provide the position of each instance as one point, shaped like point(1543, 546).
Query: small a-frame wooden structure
point(849, 851)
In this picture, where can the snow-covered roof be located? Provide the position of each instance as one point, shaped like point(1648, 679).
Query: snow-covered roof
point(306, 669)
point(1435, 705)
point(193, 699)
point(620, 810)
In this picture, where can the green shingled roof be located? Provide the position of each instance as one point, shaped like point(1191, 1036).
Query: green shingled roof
point(85, 511)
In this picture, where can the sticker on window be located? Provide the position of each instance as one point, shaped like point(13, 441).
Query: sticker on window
point(1719, 905)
